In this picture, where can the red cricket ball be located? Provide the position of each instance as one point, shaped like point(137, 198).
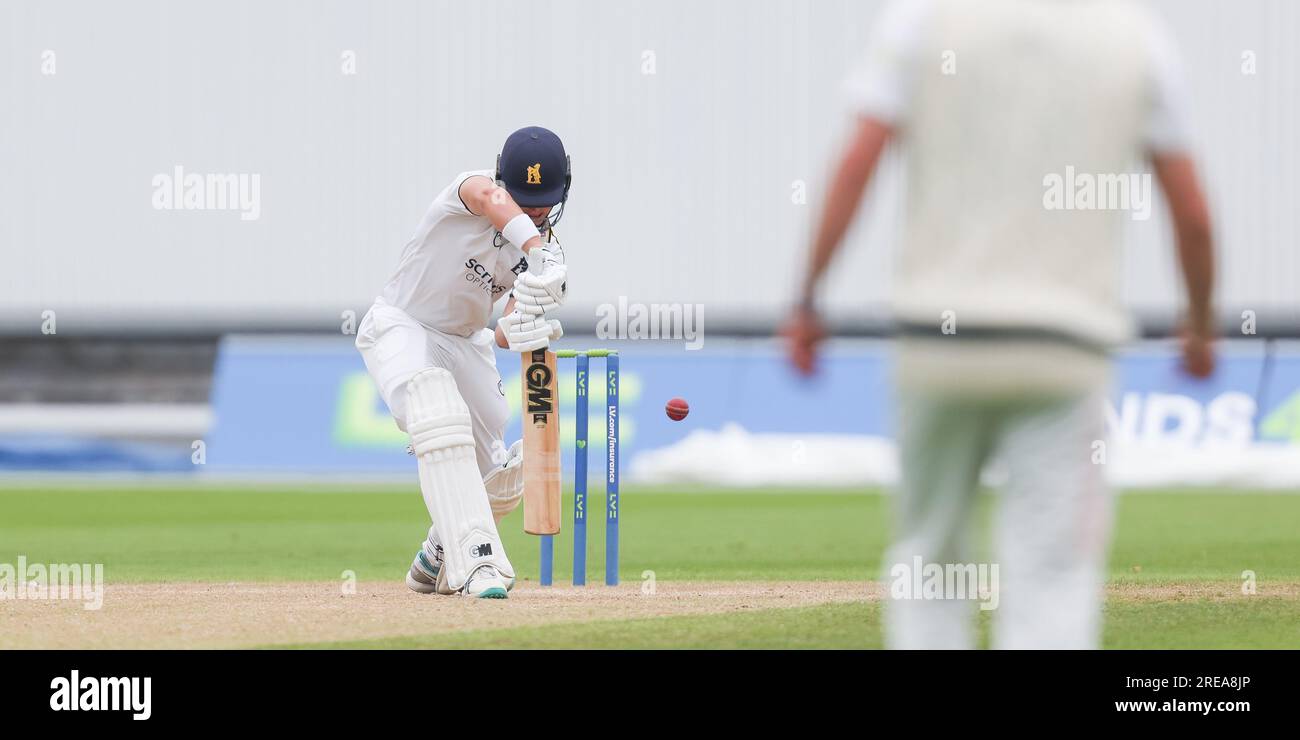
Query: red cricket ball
point(677, 409)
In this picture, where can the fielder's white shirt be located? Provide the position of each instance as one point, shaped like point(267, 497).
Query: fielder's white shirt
point(988, 98)
point(451, 273)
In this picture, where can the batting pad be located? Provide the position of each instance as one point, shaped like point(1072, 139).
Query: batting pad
point(439, 424)
point(505, 485)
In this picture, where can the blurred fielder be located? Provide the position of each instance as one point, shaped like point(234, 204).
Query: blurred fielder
point(1007, 305)
point(426, 345)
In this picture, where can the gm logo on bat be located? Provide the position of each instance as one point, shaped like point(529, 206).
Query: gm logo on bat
point(539, 389)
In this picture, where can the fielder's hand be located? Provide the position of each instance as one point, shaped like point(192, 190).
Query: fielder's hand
point(1198, 352)
point(802, 332)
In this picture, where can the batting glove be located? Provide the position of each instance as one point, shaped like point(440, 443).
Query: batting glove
point(525, 333)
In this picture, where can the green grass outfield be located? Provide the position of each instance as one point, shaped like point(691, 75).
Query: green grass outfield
point(209, 533)
point(1165, 625)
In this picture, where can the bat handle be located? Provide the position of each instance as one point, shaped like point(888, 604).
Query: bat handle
point(543, 255)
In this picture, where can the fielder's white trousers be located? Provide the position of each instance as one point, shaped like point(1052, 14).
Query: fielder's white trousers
point(1051, 525)
point(395, 347)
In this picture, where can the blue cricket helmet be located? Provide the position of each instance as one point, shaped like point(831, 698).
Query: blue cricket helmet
point(534, 168)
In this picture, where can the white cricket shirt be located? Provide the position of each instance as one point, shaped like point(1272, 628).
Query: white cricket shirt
point(451, 272)
point(989, 97)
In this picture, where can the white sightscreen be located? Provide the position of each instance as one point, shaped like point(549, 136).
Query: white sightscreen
point(683, 177)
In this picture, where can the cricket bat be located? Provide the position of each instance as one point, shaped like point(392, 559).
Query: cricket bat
point(541, 422)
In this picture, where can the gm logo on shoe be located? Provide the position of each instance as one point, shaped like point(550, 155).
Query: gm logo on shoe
point(481, 551)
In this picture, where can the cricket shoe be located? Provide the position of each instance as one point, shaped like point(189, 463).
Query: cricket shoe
point(486, 583)
point(422, 578)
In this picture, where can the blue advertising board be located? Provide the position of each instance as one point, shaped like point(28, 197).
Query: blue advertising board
point(307, 404)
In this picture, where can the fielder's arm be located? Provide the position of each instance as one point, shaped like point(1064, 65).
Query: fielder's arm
point(484, 198)
point(803, 330)
point(1194, 235)
point(854, 171)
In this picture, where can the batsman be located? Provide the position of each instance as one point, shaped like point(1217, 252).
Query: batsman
point(426, 344)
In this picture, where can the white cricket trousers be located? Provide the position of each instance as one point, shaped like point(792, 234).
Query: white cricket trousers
point(1051, 523)
point(395, 347)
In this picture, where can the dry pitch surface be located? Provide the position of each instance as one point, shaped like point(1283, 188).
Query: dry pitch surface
point(237, 615)
point(206, 615)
